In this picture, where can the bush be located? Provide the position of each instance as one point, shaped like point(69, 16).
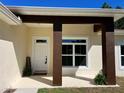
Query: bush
point(27, 70)
point(100, 79)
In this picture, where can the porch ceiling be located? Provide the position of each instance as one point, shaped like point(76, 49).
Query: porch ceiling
point(38, 25)
point(46, 25)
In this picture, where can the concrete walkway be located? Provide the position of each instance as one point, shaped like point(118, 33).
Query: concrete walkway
point(28, 90)
point(36, 82)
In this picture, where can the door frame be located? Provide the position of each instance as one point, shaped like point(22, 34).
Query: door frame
point(33, 45)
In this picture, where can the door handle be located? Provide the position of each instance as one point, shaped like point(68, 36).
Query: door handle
point(46, 60)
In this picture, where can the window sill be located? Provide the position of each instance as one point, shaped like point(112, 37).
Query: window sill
point(122, 68)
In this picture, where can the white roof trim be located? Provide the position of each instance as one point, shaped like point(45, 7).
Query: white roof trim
point(23, 9)
point(61, 11)
point(7, 16)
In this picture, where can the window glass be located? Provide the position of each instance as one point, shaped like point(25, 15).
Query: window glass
point(73, 41)
point(122, 49)
point(122, 60)
point(67, 49)
point(80, 60)
point(67, 61)
point(41, 41)
point(80, 49)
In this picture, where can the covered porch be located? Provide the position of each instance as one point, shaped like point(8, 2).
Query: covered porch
point(102, 22)
point(106, 24)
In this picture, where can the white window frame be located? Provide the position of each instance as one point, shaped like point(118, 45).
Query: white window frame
point(73, 52)
point(120, 55)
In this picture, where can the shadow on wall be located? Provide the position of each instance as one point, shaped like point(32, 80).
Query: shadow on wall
point(94, 56)
point(9, 68)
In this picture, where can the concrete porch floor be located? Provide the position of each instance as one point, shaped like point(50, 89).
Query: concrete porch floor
point(46, 82)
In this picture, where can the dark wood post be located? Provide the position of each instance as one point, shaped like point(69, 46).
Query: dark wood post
point(57, 54)
point(108, 52)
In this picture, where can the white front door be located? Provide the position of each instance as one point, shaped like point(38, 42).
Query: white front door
point(40, 55)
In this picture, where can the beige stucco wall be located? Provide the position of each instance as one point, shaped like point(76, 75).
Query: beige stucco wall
point(94, 48)
point(71, 31)
point(12, 53)
point(41, 32)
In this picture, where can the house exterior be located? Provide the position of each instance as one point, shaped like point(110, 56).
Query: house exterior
point(60, 41)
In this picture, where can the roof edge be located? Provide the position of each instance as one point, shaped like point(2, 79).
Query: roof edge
point(5, 12)
point(67, 8)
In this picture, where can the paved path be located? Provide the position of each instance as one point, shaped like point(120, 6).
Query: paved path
point(26, 90)
point(36, 82)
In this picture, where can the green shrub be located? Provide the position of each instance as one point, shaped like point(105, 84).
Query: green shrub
point(27, 70)
point(100, 79)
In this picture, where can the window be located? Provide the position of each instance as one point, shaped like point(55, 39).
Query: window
point(74, 52)
point(67, 58)
point(122, 55)
point(41, 41)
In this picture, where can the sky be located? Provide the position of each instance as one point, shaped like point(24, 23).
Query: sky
point(64, 3)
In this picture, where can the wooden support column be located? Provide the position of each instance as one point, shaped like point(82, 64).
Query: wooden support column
point(57, 54)
point(108, 52)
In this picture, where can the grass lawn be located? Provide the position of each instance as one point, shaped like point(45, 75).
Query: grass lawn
point(120, 89)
